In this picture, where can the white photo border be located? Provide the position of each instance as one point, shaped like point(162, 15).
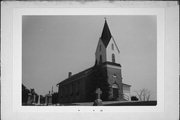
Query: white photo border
point(17, 57)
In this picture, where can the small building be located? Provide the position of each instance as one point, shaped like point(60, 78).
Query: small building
point(105, 74)
point(126, 92)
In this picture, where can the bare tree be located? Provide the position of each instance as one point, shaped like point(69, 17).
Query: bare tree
point(143, 94)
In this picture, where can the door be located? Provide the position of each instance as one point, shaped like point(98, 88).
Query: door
point(115, 91)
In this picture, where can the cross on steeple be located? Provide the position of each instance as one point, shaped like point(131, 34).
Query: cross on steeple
point(98, 92)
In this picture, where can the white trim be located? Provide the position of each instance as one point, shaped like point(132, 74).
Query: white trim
point(112, 66)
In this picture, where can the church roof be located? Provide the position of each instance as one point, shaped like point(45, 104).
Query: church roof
point(106, 34)
point(77, 76)
point(85, 73)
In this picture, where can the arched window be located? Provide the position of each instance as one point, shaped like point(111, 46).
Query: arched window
point(78, 88)
point(100, 60)
point(63, 91)
point(60, 91)
point(112, 46)
point(113, 58)
point(71, 89)
point(100, 48)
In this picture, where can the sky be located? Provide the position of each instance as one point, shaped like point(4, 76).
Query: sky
point(52, 46)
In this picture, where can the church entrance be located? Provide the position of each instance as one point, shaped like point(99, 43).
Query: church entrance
point(115, 91)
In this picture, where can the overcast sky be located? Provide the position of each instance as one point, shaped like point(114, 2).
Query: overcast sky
point(54, 45)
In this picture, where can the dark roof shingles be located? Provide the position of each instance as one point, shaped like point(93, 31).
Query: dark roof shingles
point(106, 34)
point(77, 76)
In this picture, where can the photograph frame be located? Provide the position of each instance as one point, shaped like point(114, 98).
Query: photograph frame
point(99, 11)
point(29, 110)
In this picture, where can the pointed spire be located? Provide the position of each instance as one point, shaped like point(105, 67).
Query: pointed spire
point(106, 34)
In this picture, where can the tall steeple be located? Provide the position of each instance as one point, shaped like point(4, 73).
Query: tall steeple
point(107, 49)
point(106, 34)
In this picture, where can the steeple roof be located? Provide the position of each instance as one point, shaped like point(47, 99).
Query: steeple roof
point(106, 34)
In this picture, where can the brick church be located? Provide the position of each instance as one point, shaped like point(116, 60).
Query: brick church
point(105, 74)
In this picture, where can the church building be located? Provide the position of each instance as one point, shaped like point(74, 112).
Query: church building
point(104, 75)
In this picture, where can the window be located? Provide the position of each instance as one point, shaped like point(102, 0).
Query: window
point(114, 75)
point(113, 58)
point(115, 86)
point(65, 91)
point(100, 48)
point(78, 88)
point(100, 61)
point(112, 46)
point(61, 92)
point(71, 90)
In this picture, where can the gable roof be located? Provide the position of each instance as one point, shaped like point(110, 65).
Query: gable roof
point(106, 34)
point(115, 44)
point(77, 76)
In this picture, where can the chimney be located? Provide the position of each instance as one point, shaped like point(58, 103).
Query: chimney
point(69, 75)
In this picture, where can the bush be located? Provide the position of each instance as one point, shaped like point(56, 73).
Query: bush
point(134, 98)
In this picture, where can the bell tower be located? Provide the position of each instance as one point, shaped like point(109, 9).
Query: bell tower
point(108, 57)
